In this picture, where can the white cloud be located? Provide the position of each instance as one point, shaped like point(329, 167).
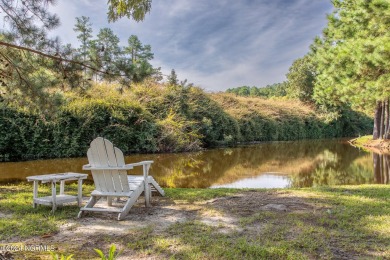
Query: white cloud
point(216, 44)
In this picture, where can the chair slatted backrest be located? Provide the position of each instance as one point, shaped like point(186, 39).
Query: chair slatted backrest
point(102, 153)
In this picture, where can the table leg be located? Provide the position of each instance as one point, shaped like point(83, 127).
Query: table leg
point(62, 188)
point(80, 192)
point(35, 193)
point(53, 194)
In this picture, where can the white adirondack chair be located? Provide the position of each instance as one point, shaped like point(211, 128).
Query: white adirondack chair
point(109, 173)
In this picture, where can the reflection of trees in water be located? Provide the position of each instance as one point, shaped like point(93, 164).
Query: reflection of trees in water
point(202, 169)
point(340, 169)
point(192, 170)
point(355, 174)
point(381, 168)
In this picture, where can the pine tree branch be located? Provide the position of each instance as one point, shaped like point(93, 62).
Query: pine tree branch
point(21, 78)
point(9, 16)
point(55, 57)
point(35, 14)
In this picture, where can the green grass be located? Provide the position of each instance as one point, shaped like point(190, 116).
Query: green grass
point(22, 220)
point(350, 222)
point(196, 240)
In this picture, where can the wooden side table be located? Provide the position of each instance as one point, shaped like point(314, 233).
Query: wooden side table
point(55, 199)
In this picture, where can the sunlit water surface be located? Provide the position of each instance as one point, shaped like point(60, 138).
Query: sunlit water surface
point(268, 165)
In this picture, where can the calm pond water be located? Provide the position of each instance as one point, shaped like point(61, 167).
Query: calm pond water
point(267, 165)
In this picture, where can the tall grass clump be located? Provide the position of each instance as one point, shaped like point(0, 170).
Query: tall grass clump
point(212, 124)
point(282, 119)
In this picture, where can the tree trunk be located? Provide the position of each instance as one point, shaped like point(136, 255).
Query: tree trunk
point(382, 124)
point(381, 168)
point(387, 120)
point(387, 168)
point(377, 121)
point(377, 169)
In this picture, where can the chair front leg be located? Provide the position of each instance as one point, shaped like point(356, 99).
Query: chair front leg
point(147, 190)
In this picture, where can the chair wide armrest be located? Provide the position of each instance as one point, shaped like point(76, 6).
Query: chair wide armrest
point(88, 167)
point(140, 163)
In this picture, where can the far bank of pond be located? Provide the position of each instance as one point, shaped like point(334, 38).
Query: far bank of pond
point(381, 146)
point(267, 165)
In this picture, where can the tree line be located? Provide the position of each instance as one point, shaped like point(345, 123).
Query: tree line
point(347, 66)
point(351, 60)
point(274, 90)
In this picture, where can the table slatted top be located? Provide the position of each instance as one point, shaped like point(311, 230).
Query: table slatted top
point(57, 177)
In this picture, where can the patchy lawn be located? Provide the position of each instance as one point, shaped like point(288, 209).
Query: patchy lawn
point(349, 222)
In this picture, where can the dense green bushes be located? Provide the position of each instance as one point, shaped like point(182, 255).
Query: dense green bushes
point(260, 128)
point(71, 131)
point(153, 117)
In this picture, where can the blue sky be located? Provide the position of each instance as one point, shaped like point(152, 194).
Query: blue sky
point(215, 44)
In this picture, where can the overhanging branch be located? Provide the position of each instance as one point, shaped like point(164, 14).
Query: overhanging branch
point(54, 57)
